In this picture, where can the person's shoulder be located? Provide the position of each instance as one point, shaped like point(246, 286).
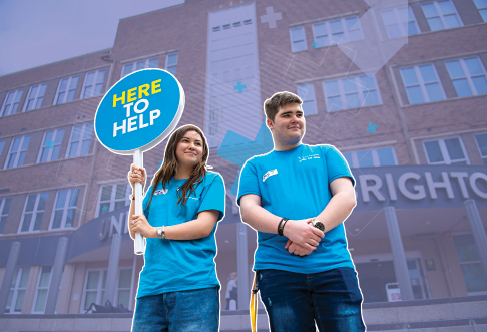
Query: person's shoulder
point(212, 176)
point(258, 158)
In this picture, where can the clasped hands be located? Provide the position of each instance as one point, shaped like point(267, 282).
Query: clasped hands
point(303, 236)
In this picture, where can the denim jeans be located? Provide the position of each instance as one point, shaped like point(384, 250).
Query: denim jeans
point(193, 310)
point(294, 301)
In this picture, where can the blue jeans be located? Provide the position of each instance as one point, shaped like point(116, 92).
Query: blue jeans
point(194, 310)
point(294, 301)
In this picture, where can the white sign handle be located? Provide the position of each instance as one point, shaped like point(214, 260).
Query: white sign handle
point(139, 240)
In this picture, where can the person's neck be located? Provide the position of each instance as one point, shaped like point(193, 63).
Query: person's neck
point(183, 172)
point(283, 147)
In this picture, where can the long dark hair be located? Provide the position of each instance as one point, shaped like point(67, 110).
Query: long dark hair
point(168, 167)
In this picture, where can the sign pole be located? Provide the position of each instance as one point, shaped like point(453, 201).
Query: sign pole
point(139, 242)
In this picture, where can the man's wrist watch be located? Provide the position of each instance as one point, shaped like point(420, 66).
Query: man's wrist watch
point(159, 233)
point(318, 224)
point(280, 229)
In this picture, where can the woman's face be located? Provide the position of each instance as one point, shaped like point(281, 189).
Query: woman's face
point(189, 149)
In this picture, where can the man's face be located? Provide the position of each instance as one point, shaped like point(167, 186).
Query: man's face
point(289, 125)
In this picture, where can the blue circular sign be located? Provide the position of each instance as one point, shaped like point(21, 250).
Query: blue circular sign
point(139, 111)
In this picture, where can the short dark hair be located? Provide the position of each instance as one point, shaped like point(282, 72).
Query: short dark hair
point(279, 99)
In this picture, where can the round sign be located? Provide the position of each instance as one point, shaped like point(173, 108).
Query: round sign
point(139, 111)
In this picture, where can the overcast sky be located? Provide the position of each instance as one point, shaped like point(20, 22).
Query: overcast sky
point(36, 32)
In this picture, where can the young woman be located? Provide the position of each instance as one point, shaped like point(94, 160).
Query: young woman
point(178, 289)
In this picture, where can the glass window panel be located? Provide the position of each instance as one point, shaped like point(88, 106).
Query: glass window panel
point(336, 26)
point(415, 95)
point(466, 248)
point(389, 17)
point(119, 205)
point(446, 7)
point(100, 77)
point(483, 13)
point(349, 85)
point(123, 298)
point(42, 201)
point(89, 299)
point(455, 69)
point(172, 59)
point(386, 156)
point(153, 63)
point(452, 21)
point(125, 278)
point(104, 281)
point(10, 97)
point(26, 223)
point(353, 100)
point(480, 3)
point(25, 142)
point(309, 107)
point(332, 88)
point(127, 69)
point(73, 83)
point(20, 301)
point(409, 76)
point(412, 29)
point(434, 152)
point(393, 31)
point(89, 78)
point(320, 29)
point(31, 200)
point(24, 277)
point(61, 199)
point(434, 92)
point(473, 66)
point(33, 91)
point(365, 158)
point(480, 84)
point(140, 65)
point(92, 282)
point(60, 98)
point(299, 46)
point(371, 97)
point(106, 193)
point(428, 73)
point(454, 148)
point(482, 143)
point(85, 147)
point(41, 300)
point(70, 218)
point(462, 88)
point(14, 280)
point(429, 10)
point(323, 40)
point(120, 191)
point(58, 218)
point(350, 22)
point(73, 201)
point(297, 34)
point(474, 277)
point(64, 84)
point(38, 221)
point(45, 276)
point(435, 24)
point(42, 90)
point(367, 82)
point(335, 103)
point(70, 95)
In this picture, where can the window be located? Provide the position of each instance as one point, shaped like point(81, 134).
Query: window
point(66, 89)
point(64, 210)
point(351, 92)
point(93, 83)
point(441, 15)
point(481, 144)
point(171, 63)
point(471, 264)
point(34, 99)
point(95, 286)
point(422, 84)
point(482, 7)
point(11, 102)
point(371, 157)
point(42, 289)
point(17, 291)
point(33, 212)
point(298, 39)
point(4, 208)
point(113, 197)
point(142, 64)
point(446, 151)
point(400, 22)
point(468, 76)
point(16, 154)
point(50, 146)
point(79, 142)
point(2, 144)
point(307, 94)
point(337, 31)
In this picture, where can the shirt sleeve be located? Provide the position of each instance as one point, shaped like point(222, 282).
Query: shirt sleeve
point(145, 201)
point(248, 181)
point(337, 165)
point(213, 197)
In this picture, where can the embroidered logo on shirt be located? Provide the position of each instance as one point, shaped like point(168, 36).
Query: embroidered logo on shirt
point(159, 192)
point(269, 174)
point(311, 156)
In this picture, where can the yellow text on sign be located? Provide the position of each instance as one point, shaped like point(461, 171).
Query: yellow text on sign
point(137, 92)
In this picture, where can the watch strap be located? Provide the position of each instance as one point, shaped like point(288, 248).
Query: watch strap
point(280, 229)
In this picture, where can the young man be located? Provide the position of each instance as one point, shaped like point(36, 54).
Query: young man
point(305, 275)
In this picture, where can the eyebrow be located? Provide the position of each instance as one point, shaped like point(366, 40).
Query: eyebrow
point(196, 140)
point(290, 112)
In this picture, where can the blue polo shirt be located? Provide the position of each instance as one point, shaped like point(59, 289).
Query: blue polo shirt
point(173, 265)
point(294, 184)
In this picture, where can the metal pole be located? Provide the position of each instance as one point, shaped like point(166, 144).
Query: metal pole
point(400, 263)
point(9, 275)
point(478, 230)
point(57, 272)
point(243, 285)
point(139, 242)
point(112, 269)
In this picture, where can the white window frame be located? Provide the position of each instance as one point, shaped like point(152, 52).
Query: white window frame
point(18, 152)
point(307, 93)
point(467, 263)
point(17, 94)
point(400, 24)
point(38, 288)
point(36, 97)
point(292, 41)
point(3, 213)
point(360, 90)
point(16, 289)
point(444, 151)
point(66, 92)
point(100, 290)
point(67, 206)
point(34, 213)
point(80, 140)
point(173, 65)
point(422, 83)
point(50, 150)
point(134, 65)
point(482, 10)
point(467, 74)
point(118, 289)
point(440, 14)
point(484, 157)
point(346, 35)
point(93, 84)
point(113, 200)
point(375, 156)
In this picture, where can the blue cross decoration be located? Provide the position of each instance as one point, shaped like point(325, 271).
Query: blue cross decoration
point(237, 149)
point(372, 127)
point(50, 144)
point(105, 208)
point(239, 87)
point(315, 44)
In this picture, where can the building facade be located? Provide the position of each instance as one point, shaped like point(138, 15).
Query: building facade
point(414, 134)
